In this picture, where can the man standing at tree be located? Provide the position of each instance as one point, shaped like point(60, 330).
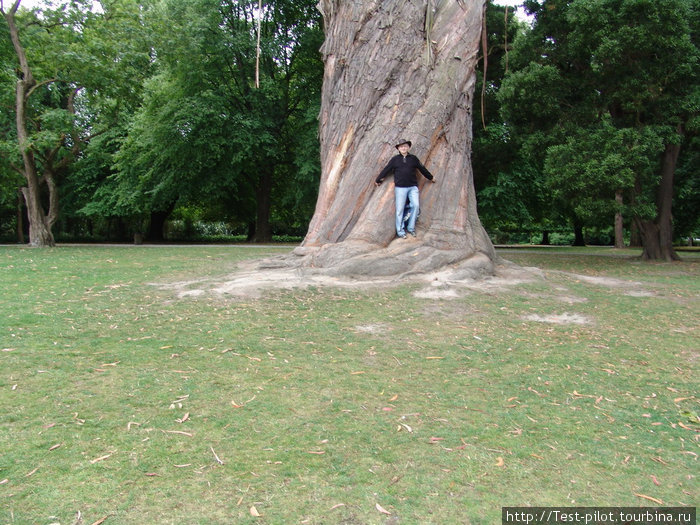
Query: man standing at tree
point(404, 166)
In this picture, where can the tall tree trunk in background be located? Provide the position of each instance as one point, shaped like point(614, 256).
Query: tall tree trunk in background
point(156, 224)
point(657, 234)
point(20, 217)
point(635, 236)
point(263, 194)
point(39, 223)
point(579, 239)
point(619, 223)
point(393, 70)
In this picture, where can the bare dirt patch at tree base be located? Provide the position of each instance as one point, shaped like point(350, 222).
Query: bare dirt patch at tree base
point(255, 278)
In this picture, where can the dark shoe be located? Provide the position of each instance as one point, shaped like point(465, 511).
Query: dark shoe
point(413, 234)
point(402, 236)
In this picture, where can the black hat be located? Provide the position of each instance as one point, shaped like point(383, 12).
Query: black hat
point(402, 141)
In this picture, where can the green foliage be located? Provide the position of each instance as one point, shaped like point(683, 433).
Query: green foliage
point(89, 65)
point(205, 134)
point(499, 177)
point(687, 196)
point(596, 91)
point(594, 163)
point(168, 115)
point(166, 107)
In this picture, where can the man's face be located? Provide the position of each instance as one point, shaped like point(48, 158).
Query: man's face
point(403, 149)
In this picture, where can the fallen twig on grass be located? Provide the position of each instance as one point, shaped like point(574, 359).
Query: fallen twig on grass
point(218, 460)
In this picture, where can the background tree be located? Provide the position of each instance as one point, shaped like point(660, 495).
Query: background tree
point(119, 43)
point(66, 61)
point(392, 70)
point(10, 179)
point(513, 199)
point(686, 219)
point(207, 134)
point(618, 72)
point(25, 161)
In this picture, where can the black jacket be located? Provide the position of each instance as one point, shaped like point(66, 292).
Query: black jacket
point(404, 170)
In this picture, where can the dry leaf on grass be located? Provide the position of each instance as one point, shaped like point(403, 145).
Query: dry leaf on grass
point(382, 509)
point(530, 389)
point(500, 462)
point(101, 458)
point(644, 496)
point(679, 399)
point(234, 404)
point(254, 512)
point(178, 432)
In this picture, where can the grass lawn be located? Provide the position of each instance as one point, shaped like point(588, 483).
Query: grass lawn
point(123, 404)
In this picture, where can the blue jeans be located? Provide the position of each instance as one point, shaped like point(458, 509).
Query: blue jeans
point(401, 195)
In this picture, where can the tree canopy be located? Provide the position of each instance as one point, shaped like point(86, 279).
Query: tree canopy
point(183, 106)
point(602, 95)
point(138, 115)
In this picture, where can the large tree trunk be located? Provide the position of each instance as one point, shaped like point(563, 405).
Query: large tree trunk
point(393, 70)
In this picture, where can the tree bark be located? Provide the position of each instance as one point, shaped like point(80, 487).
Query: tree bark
point(635, 236)
point(579, 239)
point(20, 217)
point(39, 224)
point(263, 194)
point(156, 224)
point(619, 224)
point(394, 70)
point(657, 234)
